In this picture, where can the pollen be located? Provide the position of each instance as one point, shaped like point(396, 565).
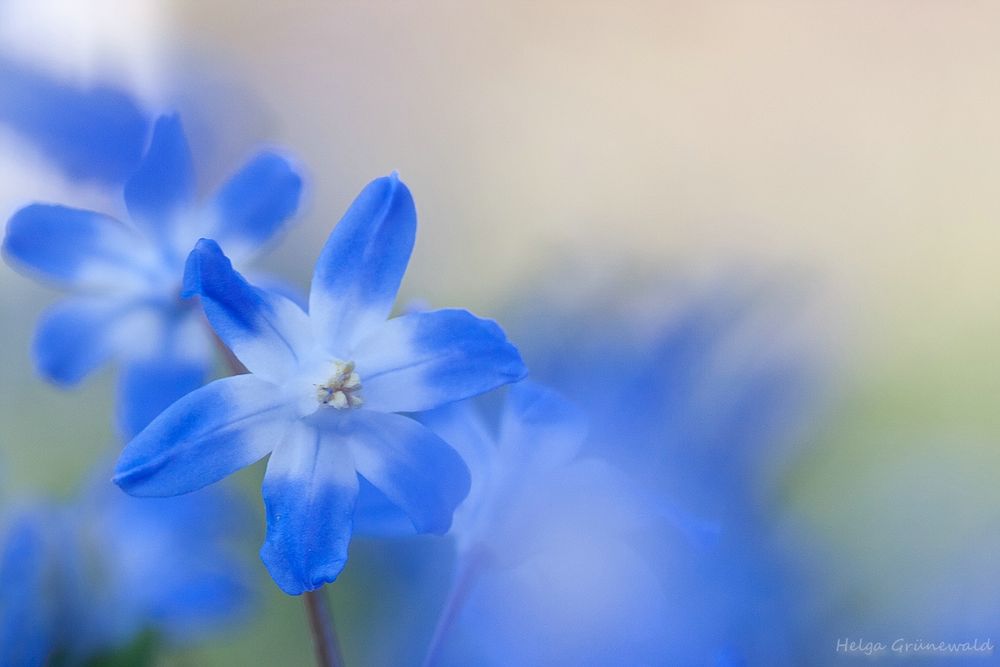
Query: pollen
point(343, 389)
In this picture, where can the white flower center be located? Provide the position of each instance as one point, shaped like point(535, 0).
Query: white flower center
point(343, 389)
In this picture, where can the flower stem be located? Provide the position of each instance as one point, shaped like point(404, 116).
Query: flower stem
point(321, 625)
point(461, 586)
point(317, 606)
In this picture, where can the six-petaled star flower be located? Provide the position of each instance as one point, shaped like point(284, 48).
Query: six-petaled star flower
point(324, 392)
point(126, 275)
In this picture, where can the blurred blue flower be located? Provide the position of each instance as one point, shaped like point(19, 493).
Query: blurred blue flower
point(89, 577)
point(94, 133)
point(126, 277)
point(548, 568)
point(539, 437)
point(27, 618)
point(700, 404)
point(324, 392)
point(658, 538)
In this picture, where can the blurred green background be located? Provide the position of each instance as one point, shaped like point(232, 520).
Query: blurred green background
point(850, 146)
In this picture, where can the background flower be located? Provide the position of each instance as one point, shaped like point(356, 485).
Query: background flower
point(92, 576)
point(547, 570)
point(91, 133)
point(706, 400)
point(127, 277)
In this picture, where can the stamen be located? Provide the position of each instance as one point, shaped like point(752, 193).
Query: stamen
point(343, 388)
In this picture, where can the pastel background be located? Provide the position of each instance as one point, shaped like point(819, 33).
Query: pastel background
point(845, 151)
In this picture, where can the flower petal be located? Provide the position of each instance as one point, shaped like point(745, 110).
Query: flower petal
point(93, 133)
point(149, 386)
point(78, 334)
point(421, 361)
point(309, 493)
point(252, 207)
point(169, 562)
point(213, 431)
point(376, 516)
point(179, 362)
point(540, 425)
point(416, 470)
point(163, 185)
point(462, 426)
point(73, 247)
point(266, 331)
point(27, 618)
point(360, 269)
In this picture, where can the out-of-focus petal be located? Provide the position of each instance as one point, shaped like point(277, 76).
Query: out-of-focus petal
point(254, 204)
point(267, 332)
point(210, 433)
point(362, 264)
point(165, 565)
point(421, 361)
point(190, 537)
point(588, 497)
point(415, 470)
point(163, 185)
point(95, 133)
point(78, 334)
point(26, 617)
point(540, 424)
point(584, 601)
point(177, 364)
point(376, 516)
point(462, 426)
point(309, 492)
point(147, 387)
point(73, 247)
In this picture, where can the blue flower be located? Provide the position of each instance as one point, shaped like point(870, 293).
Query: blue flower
point(92, 575)
point(323, 394)
point(94, 133)
point(548, 559)
point(27, 619)
point(514, 471)
point(126, 276)
point(699, 410)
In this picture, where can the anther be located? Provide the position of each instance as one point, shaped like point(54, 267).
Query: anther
point(343, 388)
